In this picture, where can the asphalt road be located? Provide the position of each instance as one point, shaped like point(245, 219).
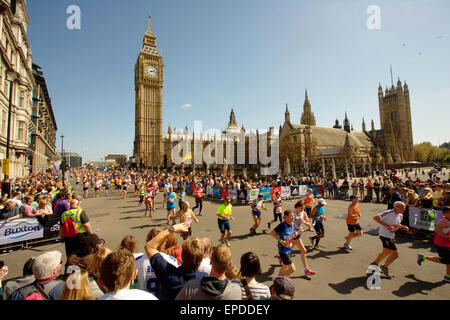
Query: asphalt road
point(341, 274)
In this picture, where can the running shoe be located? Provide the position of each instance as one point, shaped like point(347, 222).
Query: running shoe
point(228, 243)
point(420, 258)
point(316, 247)
point(309, 272)
point(385, 271)
point(446, 279)
point(348, 246)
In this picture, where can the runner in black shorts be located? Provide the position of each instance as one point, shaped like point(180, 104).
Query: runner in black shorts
point(277, 209)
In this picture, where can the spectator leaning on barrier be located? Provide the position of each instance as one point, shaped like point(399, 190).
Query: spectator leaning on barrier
point(46, 268)
point(9, 212)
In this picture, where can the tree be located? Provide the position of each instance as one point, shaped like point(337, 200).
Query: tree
point(426, 152)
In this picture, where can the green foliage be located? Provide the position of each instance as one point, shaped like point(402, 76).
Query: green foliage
point(426, 152)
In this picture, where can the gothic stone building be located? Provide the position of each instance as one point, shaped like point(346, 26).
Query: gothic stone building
point(341, 152)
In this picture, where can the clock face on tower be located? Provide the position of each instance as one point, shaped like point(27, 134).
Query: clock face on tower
point(151, 71)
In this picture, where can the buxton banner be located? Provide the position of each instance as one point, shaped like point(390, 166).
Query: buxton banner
point(20, 230)
point(426, 219)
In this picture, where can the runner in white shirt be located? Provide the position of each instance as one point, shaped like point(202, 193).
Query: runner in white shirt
point(300, 218)
point(390, 222)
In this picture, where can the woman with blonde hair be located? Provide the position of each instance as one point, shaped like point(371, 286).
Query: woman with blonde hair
point(171, 247)
point(95, 261)
point(76, 287)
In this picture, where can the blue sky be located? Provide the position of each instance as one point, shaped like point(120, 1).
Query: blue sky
point(254, 56)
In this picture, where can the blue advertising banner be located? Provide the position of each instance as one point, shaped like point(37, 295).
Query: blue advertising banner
point(265, 192)
point(315, 189)
point(188, 187)
point(216, 191)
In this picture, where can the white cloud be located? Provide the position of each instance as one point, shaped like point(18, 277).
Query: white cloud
point(185, 106)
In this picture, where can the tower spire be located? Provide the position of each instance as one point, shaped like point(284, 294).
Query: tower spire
point(149, 31)
point(392, 78)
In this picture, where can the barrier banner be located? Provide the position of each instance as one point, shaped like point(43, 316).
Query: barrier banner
point(188, 187)
point(294, 191)
point(265, 192)
point(302, 190)
point(193, 187)
point(425, 219)
point(51, 224)
point(315, 189)
point(285, 192)
point(232, 193)
point(216, 191)
point(224, 192)
point(252, 194)
point(273, 190)
point(209, 190)
point(20, 230)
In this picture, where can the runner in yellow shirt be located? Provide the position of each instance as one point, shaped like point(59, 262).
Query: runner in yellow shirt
point(223, 219)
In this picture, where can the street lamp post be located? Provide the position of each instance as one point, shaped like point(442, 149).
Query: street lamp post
point(63, 160)
point(13, 76)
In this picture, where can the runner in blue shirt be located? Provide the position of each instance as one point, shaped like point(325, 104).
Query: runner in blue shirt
point(284, 233)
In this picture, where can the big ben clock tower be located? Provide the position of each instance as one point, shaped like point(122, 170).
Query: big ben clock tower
point(148, 82)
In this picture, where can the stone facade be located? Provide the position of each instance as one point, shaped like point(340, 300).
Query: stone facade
point(16, 54)
point(43, 128)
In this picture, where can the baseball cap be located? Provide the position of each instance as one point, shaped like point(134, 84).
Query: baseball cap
point(284, 288)
point(353, 197)
point(322, 201)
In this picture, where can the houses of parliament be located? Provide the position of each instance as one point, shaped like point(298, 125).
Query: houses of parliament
point(304, 147)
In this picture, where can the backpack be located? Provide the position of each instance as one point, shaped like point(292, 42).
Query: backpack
point(35, 292)
point(68, 229)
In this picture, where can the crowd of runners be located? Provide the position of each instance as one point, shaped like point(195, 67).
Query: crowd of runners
point(195, 269)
